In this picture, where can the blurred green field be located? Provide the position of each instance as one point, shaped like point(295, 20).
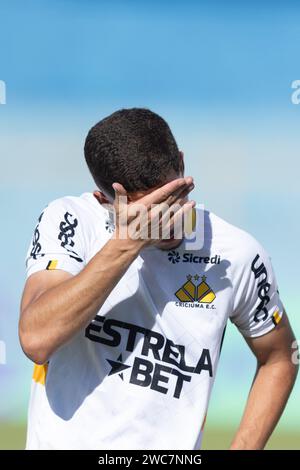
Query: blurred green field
point(12, 436)
point(215, 438)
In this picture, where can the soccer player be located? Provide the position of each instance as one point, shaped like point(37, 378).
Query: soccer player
point(126, 331)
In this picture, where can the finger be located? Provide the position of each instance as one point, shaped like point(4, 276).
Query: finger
point(119, 188)
point(120, 195)
point(180, 194)
point(174, 224)
point(162, 193)
point(173, 203)
point(178, 220)
point(162, 216)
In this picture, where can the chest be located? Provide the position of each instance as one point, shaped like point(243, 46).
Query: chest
point(184, 294)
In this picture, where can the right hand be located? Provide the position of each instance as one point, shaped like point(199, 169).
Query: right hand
point(159, 210)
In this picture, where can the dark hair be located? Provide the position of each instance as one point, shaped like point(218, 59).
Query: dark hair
point(134, 147)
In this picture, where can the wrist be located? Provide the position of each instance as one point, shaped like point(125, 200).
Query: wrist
point(126, 245)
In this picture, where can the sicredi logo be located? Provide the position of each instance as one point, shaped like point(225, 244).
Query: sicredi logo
point(174, 257)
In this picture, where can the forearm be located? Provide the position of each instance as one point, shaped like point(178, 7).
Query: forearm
point(267, 399)
point(62, 311)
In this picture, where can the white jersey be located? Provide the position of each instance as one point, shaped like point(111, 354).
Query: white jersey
point(140, 375)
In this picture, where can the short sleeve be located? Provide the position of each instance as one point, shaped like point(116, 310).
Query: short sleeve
point(57, 240)
point(257, 307)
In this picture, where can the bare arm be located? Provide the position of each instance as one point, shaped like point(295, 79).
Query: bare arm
point(273, 382)
point(56, 305)
point(57, 314)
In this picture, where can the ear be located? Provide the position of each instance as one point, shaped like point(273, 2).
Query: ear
point(100, 196)
point(181, 154)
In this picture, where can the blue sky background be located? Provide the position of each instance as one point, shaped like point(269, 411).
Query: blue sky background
point(219, 72)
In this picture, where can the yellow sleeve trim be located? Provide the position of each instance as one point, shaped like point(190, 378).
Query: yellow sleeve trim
point(40, 373)
point(52, 264)
point(276, 317)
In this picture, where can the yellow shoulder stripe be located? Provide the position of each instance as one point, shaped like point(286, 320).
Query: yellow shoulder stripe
point(40, 373)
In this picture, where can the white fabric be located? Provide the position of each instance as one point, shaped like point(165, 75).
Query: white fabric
point(170, 346)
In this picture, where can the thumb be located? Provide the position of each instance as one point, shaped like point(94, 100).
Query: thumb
point(120, 195)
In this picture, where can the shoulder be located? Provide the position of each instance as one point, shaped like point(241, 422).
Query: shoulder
point(241, 246)
point(73, 216)
point(84, 208)
point(85, 203)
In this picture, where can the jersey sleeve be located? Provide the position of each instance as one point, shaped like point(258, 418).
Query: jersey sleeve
point(57, 240)
point(257, 307)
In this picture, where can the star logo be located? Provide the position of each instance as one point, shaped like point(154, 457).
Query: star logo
point(199, 292)
point(117, 366)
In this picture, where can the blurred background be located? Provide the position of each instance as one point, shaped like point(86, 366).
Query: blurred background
point(220, 73)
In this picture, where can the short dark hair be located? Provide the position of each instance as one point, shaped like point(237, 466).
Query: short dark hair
point(134, 147)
